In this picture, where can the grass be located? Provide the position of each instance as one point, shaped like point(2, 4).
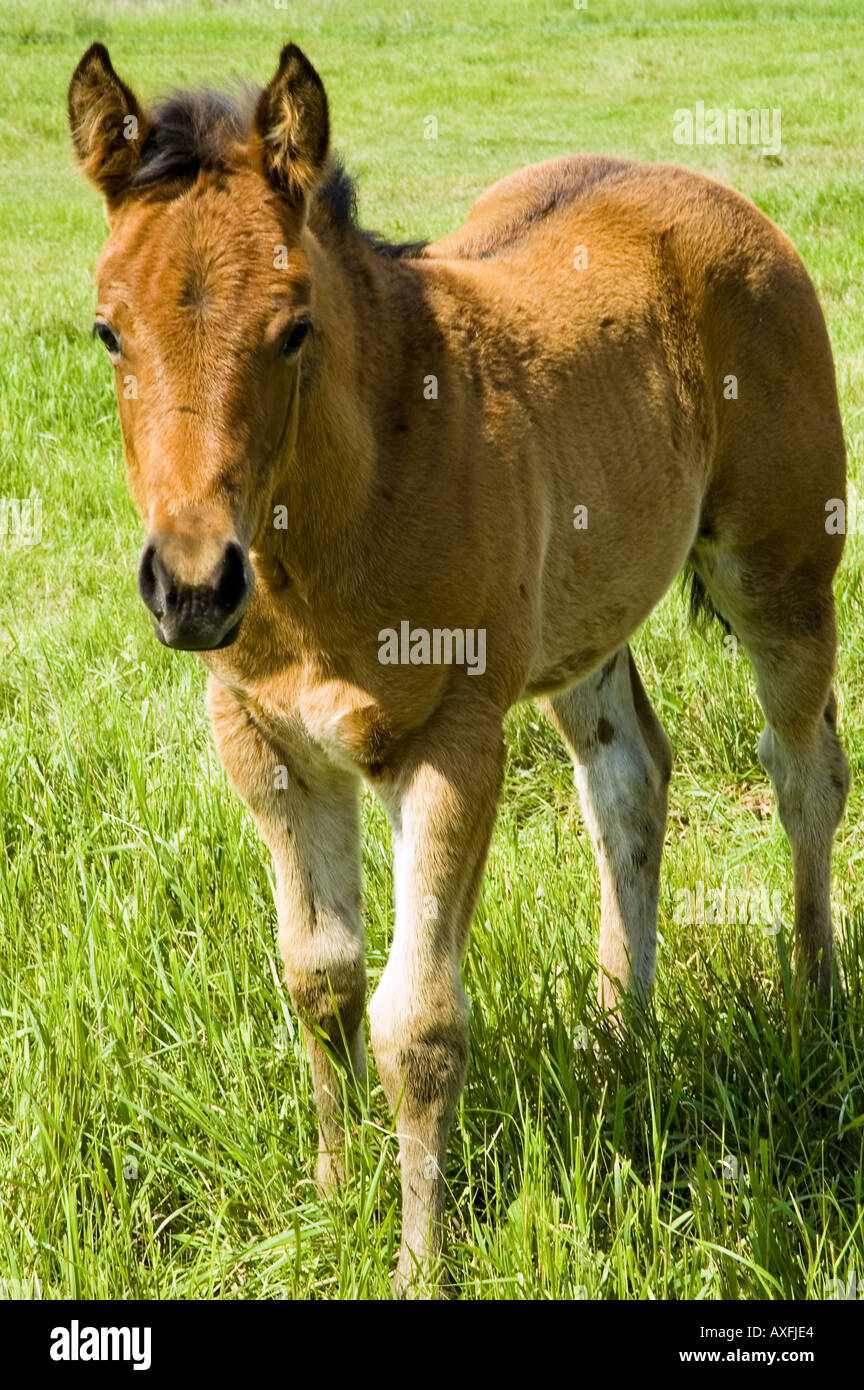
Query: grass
point(156, 1123)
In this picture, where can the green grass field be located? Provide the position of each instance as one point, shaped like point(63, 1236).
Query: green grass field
point(156, 1123)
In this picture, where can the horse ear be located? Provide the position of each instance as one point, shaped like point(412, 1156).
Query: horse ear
point(293, 127)
point(107, 124)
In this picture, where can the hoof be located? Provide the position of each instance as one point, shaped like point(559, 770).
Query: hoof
point(411, 1281)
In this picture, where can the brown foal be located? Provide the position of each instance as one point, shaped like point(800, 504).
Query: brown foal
point(391, 491)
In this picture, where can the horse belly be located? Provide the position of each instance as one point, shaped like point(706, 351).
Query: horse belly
point(607, 569)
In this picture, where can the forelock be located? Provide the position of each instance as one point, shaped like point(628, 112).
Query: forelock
point(193, 133)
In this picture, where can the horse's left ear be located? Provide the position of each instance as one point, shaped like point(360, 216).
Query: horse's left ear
point(108, 125)
point(293, 127)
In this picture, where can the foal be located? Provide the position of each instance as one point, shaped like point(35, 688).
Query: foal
point(357, 463)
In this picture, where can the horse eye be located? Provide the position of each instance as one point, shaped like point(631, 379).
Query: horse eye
point(295, 337)
point(108, 337)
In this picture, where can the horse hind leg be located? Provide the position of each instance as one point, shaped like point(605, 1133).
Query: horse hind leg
point(789, 631)
point(802, 754)
point(811, 781)
point(622, 762)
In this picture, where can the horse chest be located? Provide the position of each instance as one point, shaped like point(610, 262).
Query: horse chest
point(341, 723)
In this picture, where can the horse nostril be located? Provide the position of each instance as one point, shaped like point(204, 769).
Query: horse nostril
point(148, 584)
point(231, 579)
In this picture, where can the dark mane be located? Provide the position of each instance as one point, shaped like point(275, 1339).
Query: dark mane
point(196, 132)
point(337, 192)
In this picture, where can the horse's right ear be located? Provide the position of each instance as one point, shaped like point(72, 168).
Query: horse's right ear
point(108, 125)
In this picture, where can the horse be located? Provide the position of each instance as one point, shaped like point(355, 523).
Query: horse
point(390, 491)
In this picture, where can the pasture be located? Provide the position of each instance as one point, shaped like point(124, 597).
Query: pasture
point(156, 1125)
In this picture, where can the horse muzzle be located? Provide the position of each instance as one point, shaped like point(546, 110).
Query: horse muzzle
point(198, 614)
